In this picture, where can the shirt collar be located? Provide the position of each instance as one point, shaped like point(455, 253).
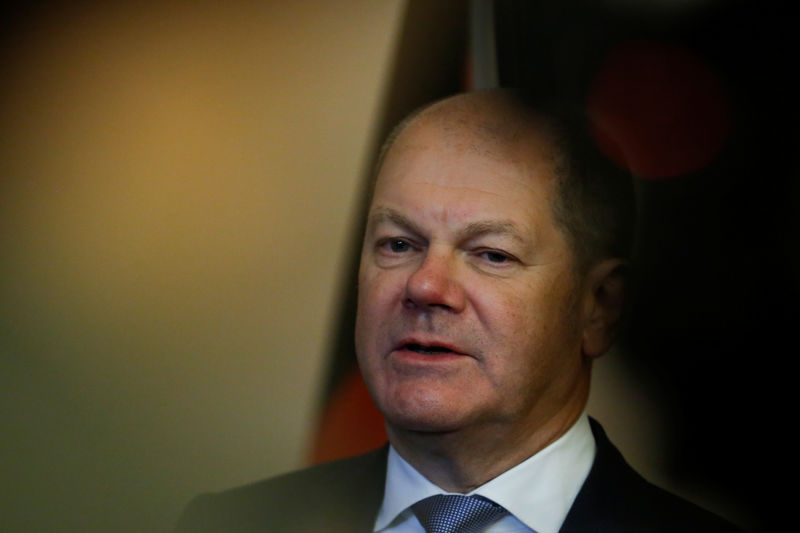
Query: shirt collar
point(539, 491)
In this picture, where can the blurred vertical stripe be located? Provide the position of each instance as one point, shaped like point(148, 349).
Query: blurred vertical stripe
point(429, 63)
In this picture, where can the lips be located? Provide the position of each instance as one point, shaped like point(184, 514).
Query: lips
point(428, 350)
point(428, 347)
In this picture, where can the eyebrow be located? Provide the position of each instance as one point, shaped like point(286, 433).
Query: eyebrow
point(494, 227)
point(386, 214)
point(472, 230)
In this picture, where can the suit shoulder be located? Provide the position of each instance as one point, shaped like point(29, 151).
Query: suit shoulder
point(343, 491)
point(669, 512)
point(616, 498)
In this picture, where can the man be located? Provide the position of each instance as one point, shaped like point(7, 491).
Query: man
point(491, 276)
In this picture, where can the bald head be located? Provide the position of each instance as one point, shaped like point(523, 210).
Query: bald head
point(592, 200)
point(490, 121)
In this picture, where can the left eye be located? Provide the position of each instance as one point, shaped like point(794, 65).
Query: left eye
point(495, 257)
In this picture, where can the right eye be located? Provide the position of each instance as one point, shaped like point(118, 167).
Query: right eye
point(396, 246)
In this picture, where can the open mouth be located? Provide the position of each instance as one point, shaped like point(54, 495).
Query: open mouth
point(427, 350)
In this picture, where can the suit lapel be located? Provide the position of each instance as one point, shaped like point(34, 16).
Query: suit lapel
point(597, 504)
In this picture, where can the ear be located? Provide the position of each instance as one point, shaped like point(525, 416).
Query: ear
point(603, 304)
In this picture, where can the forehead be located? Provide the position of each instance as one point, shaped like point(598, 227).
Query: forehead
point(461, 170)
point(462, 147)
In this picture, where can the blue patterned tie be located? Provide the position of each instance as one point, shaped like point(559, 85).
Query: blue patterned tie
point(453, 513)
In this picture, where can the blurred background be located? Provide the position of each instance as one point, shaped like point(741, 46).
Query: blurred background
point(181, 185)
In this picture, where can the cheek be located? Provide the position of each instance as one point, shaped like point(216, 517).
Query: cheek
point(378, 294)
point(510, 333)
point(528, 325)
point(508, 314)
point(376, 288)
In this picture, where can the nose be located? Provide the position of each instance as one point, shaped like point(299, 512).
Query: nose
point(435, 284)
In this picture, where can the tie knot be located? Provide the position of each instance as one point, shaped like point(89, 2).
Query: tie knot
point(453, 513)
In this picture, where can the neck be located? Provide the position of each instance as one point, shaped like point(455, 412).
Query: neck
point(459, 461)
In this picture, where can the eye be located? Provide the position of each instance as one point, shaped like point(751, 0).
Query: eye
point(495, 257)
point(397, 246)
point(494, 260)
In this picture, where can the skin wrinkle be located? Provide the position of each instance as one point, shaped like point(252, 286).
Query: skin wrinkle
point(471, 232)
point(526, 257)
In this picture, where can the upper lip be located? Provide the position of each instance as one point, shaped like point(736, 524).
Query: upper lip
point(429, 343)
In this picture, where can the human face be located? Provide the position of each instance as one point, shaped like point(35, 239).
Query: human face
point(468, 309)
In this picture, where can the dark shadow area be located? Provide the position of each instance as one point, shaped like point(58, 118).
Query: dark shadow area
point(716, 261)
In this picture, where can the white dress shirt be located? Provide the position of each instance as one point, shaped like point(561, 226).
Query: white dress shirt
point(537, 493)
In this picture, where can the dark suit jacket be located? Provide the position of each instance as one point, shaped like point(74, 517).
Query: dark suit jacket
point(344, 496)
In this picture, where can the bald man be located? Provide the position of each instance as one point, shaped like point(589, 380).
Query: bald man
point(492, 275)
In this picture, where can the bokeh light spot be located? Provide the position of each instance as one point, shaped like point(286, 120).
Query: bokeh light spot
point(658, 109)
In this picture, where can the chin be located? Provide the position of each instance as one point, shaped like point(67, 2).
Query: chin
point(425, 414)
point(422, 424)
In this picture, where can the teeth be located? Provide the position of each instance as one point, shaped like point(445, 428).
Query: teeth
point(428, 350)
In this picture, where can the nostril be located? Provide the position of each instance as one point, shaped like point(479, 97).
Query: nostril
point(410, 303)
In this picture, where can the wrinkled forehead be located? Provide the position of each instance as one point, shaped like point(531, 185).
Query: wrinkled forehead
point(487, 126)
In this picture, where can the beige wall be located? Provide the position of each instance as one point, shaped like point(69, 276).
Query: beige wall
point(178, 186)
